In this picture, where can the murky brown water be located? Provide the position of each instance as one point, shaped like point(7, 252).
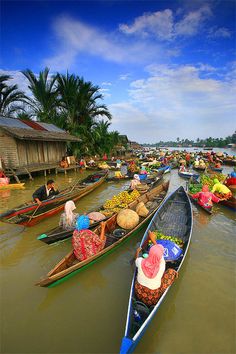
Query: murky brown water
point(87, 313)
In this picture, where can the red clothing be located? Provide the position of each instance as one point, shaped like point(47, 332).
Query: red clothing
point(187, 157)
point(230, 181)
point(205, 199)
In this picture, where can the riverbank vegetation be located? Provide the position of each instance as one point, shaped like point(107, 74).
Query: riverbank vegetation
point(209, 142)
point(69, 102)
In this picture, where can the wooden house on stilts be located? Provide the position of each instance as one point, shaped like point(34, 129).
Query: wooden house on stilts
point(27, 146)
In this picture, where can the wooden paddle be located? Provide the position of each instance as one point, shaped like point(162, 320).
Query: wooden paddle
point(33, 215)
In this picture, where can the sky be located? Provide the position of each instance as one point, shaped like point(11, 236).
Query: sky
point(166, 68)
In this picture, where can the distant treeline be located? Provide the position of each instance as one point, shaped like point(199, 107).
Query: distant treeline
point(209, 142)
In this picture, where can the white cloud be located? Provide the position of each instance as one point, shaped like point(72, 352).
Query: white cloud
point(159, 23)
point(17, 79)
point(164, 26)
point(105, 92)
point(192, 23)
point(221, 32)
point(124, 77)
point(176, 101)
point(74, 38)
point(106, 83)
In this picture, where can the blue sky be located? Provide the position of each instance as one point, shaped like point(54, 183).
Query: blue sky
point(166, 68)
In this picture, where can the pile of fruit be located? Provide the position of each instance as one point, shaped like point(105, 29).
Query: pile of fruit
point(209, 180)
point(103, 166)
point(194, 188)
point(119, 201)
point(160, 236)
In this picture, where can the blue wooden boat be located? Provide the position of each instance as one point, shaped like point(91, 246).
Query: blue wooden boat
point(188, 174)
point(174, 218)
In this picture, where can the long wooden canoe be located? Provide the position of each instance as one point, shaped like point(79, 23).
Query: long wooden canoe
point(188, 174)
point(70, 264)
point(58, 233)
point(30, 213)
point(174, 218)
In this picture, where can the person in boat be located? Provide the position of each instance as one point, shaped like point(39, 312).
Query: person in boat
point(64, 163)
point(85, 242)
point(182, 168)
point(68, 218)
point(196, 163)
point(231, 180)
point(221, 191)
point(135, 181)
point(91, 162)
point(2, 174)
point(44, 192)
point(205, 198)
point(143, 171)
point(217, 164)
point(82, 163)
point(152, 279)
point(118, 163)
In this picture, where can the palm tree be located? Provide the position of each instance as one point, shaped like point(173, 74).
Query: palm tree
point(78, 101)
point(44, 100)
point(10, 97)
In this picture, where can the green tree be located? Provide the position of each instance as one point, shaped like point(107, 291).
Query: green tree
point(44, 101)
point(10, 97)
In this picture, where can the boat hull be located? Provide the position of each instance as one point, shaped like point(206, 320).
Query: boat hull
point(182, 224)
point(69, 264)
point(30, 213)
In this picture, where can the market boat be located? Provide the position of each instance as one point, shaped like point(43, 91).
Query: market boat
point(12, 186)
point(59, 234)
point(114, 237)
point(174, 218)
point(216, 169)
point(30, 213)
point(193, 200)
point(230, 203)
point(188, 174)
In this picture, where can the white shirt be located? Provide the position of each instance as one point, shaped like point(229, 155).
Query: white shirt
point(153, 283)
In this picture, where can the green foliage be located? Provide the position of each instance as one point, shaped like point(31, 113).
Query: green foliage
point(10, 98)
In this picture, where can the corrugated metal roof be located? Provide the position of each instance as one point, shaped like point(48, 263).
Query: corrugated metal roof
point(33, 124)
point(13, 123)
point(51, 127)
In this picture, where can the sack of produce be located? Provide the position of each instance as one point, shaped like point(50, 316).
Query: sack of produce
point(127, 219)
point(141, 209)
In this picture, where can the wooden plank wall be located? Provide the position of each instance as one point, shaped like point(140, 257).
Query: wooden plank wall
point(8, 150)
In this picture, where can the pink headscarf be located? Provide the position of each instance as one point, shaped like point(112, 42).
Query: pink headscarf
point(150, 265)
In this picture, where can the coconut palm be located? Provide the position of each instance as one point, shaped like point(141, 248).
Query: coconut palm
point(44, 95)
point(10, 97)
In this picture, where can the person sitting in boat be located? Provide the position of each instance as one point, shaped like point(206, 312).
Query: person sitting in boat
point(196, 163)
point(217, 164)
point(118, 174)
point(221, 191)
point(64, 163)
point(135, 181)
point(82, 163)
point(91, 162)
point(182, 168)
point(85, 242)
point(231, 180)
point(202, 163)
point(205, 198)
point(143, 171)
point(44, 192)
point(152, 279)
point(68, 218)
point(118, 163)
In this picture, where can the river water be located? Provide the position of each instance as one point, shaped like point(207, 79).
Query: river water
point(87, 313)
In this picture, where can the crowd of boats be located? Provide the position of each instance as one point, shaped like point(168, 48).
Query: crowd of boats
point(145, 205)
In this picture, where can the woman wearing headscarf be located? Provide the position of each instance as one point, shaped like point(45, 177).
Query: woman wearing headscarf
point(221, 191)
point(68, 218)
point(205, 198)
point(152, 279)
point(85, 242)
point(135, 181)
